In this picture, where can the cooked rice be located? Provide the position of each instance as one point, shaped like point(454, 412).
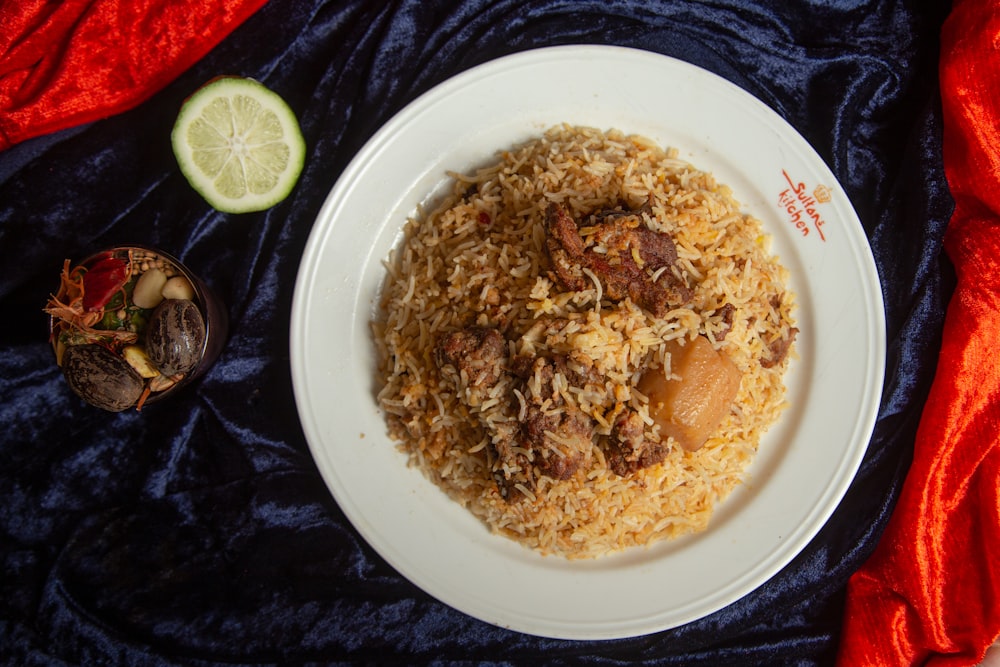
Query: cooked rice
point(479, 259)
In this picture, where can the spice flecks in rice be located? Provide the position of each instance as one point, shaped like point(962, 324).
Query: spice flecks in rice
point(479, 259)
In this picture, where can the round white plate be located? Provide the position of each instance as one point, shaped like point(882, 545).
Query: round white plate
point(806, 461)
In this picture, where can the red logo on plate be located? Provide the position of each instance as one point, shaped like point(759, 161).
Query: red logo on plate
point(801, 206)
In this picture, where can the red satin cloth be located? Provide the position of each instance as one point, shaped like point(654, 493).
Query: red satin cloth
point(68, 62)
point(930, 593)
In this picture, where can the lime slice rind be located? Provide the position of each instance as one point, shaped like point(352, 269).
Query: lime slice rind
point(239, 145)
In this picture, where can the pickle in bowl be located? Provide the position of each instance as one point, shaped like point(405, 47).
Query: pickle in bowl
point(131, 325)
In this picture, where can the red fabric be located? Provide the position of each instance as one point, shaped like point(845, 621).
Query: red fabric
point(930, 593)
point(67, 62)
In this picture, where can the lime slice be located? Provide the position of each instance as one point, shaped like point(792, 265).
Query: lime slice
point(239, 145)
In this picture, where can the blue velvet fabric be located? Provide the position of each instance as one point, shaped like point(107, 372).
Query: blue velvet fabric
point(199, 532)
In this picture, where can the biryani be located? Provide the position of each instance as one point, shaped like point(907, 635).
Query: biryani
point(584, 342)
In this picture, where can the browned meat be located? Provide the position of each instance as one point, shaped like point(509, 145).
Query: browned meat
point(558, 434)
point(476, 353)
point(561, 439)
point(779, 349)
point(578, 370)
point(555, 437)
point(565, 247)
point(630, 255)
point(627, 449)
point(524, 366)
point(726, 311)
point(473, 359)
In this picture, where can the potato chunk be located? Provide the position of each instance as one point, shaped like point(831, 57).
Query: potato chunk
point(691, 408)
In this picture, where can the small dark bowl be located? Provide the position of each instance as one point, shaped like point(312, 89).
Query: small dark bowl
point(212, 310)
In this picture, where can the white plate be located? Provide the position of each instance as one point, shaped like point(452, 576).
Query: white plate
point(806, 461)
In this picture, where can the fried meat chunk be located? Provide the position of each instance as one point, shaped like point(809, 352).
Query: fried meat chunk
point(558, 432)
point(540, 430)
point(627, 449)
point(621, 251)
point(477, 354)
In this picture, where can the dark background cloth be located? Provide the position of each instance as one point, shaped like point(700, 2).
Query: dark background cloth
point(199, 530)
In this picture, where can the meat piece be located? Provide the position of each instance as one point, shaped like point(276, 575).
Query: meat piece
point(578, 370)
point(620, 231)
point(621, 251)
point(726, 311)
point(553, 437)
point(478, 355)
point(690, 409)
point(525, 366)
point(566, 248)
point(558, 434)
point(778, 349)
point(474, 359)
point(627, 449)
point(560, 439)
